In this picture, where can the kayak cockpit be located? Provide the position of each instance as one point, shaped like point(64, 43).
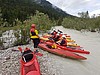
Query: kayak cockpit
point(27, 56)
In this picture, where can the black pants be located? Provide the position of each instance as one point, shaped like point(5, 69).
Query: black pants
point(36, 41)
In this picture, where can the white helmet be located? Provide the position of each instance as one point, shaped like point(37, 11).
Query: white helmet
point(63, 36)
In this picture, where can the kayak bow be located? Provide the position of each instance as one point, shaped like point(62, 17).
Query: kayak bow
point(29, 63)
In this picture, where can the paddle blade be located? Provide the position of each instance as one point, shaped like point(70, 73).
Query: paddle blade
point(20, 49)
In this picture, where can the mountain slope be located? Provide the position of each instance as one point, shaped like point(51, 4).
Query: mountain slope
point(53, 9)
point(22, 9)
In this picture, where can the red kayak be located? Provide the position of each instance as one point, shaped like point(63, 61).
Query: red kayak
point(61, 52)
point(29, 63)
point(70, 49)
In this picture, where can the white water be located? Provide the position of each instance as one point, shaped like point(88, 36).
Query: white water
point(89, 41)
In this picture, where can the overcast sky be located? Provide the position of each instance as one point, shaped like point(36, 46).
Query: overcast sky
point(75, 6)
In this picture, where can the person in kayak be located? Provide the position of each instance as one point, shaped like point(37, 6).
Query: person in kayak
point(56, 38)
point(35, 37)
point(54, 32)
point(53, 35)
point(63, 41)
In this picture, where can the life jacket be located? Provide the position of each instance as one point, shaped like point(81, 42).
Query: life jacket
point(54, 35)
point(54, 46)
point(63, 42)
point(33, 33)
point(57, 38)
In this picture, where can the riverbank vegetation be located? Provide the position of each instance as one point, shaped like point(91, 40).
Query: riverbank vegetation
point(21, 30)
point(44, 23)
point(82, 22)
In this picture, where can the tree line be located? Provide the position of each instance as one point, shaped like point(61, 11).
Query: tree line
point(82, 22)
point(23, 9)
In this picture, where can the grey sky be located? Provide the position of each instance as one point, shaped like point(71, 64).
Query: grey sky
point(75, 6)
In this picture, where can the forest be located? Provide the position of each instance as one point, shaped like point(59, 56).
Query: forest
point(10, 10)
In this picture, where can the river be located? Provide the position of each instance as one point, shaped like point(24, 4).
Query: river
point(89, 41)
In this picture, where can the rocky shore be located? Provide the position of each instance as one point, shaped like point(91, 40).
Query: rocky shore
point(10, 62)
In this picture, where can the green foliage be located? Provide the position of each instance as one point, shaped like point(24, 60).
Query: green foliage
point(1, 19)
point(21, 36)
point(42, 21)
point(0, 33)
point(84, 14)
point(81, 23)
point(23, 9)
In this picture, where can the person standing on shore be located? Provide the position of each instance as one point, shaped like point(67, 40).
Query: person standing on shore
point(35, 37)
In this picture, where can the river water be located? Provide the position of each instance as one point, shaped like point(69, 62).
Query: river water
point(89, 41)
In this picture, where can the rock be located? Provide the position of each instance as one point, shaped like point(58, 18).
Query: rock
point(7, 58)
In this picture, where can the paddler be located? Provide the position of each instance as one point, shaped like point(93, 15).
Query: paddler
point(63, 41)
point(35, 37)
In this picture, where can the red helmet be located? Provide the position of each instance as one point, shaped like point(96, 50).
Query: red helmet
point(33, 25)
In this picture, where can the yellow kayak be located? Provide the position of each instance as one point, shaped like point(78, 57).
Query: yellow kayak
point(72, 44)
point(45, 39)
point(69, 40)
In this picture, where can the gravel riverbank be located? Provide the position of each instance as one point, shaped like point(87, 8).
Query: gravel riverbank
point(10, 64)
